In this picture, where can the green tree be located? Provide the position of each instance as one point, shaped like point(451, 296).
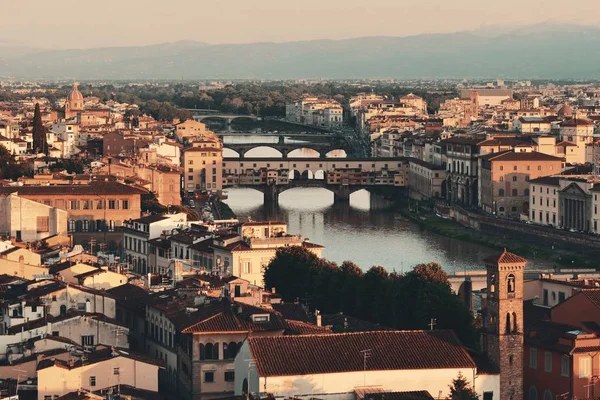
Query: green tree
point(40, 144)
point(461, 390)
point(407, 301)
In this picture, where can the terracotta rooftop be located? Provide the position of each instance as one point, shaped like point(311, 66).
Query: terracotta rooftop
point(572, 122)
point(97, 188)
point(332, 353)
point(505, 258)
point(510, 155)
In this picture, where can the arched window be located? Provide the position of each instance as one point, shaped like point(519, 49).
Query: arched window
point(501, 168)
point(514, 168)
point(514, 178)
point(209, 351)
point(508, 325)
point(532, 393)
point(547, 395)
point(233, 349)
point(539, 167)
point(515, 192)
point(514, 322)
point(202, 351)
point(513, 209)
point(501, 209)
point(501, 179)
point(526, 192)
point(510, 283)
point(501, 192)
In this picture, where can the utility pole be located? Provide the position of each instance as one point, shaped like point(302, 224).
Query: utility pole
point(18, 371)
point(366, 354)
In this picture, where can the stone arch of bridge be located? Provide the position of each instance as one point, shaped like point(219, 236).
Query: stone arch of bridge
point(297, 151)
point(242, 151)
point(330, 155)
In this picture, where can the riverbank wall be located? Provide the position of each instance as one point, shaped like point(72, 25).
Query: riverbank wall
point(528, 232)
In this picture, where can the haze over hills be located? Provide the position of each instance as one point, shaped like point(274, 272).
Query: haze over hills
point(542, 51)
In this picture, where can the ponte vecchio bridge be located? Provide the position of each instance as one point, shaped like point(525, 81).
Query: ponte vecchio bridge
point(322, 144)
point(342, 176)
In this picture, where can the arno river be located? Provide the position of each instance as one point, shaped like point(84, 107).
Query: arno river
point(352, 232)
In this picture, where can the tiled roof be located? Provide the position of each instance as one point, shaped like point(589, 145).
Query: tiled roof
point(343, 323)
point(223, 317)
point(150, 219)
point(546, 180)
point(304, 328)
point(593, 295)
point(571, 122)
point(505, 258)
point(519, 156)
point(292, 311)
point(97, 188)
point(390, 350)
point(566, 144)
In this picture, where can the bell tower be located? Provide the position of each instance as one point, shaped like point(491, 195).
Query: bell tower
point(503, 326)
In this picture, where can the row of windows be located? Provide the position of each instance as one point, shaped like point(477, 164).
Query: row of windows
point(210, 351)
point(92, 204)
point(515, 192)
point(542, 217)
point(564, 365)
point(209, 376)
point(135, 244)
point(92, 225)
point(542, 201)
point(541, 190)
point(191, 162)
point(528, 168)
point(514, 178)
point(320, 165)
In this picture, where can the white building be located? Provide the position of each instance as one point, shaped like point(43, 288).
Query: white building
point(337, 366)
point(578, 132)
point(137, 233)
point(315, 111)
point(28, 220)
point(106, 369)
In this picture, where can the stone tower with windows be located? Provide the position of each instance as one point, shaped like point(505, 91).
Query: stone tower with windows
point(502, 339)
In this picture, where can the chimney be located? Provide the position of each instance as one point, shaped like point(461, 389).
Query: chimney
point(273, 290)
point(319, 319)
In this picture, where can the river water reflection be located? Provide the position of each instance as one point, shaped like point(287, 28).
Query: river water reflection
point(353, 232)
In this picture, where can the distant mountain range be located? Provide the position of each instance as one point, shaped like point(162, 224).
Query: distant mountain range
point(545, 52)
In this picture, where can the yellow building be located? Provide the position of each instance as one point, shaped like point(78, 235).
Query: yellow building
point(190, 129)
point(203, 165)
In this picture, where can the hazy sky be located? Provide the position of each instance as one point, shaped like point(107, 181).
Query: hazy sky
point(84, 23)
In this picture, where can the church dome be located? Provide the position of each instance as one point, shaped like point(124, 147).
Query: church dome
point(565, 111)
point(75, 94)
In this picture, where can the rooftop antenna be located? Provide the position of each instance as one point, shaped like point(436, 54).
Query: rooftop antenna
point(366, 354)
point(432, 323)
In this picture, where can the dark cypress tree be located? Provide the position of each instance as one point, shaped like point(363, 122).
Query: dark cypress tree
point(40, 145)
